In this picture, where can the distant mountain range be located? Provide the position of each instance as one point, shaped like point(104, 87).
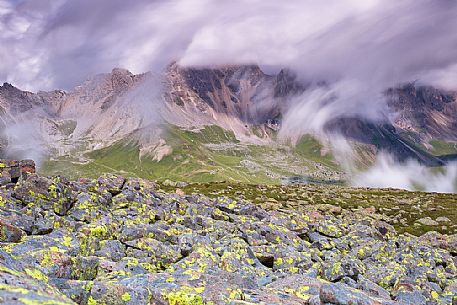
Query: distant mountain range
point(212, 123)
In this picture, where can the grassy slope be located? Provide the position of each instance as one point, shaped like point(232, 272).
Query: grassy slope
point(440, 147)
point(311, 148)
point(400, 208)
point(192, 161)
point(437, 148)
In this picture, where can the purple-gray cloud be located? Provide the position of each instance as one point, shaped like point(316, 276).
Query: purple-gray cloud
point(46, 44)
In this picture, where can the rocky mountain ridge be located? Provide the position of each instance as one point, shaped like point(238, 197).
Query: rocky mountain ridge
point(425, 111)
point(137, 109)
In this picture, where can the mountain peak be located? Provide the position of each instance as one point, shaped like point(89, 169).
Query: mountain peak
point(121, 79)
point(121, 71)
point(8, 86)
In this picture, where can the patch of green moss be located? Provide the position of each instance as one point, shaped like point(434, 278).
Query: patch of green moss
point(310, 148)
point(37, 274)
point(126, 297)
point(91, 301)
point(440, 147)
point(8, 288)
point(42, 302)
point(210, 154)
point(184, 296)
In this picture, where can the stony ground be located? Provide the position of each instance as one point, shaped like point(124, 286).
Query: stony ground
point(412, 212)
point(126, 241)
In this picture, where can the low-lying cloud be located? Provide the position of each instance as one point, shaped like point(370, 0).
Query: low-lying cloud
point(310, 111)
point(388, 172)
point(24, 142)
point(409, 175)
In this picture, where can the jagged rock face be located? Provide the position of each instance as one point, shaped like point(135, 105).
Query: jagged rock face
point(102, 91)
point(287, 84)
point(250, 95)
point(118, 105)
point(422, 113)
point(228, 90)
point(426, 111)
point(95, 114)
point(15, 101)
point(241, 92)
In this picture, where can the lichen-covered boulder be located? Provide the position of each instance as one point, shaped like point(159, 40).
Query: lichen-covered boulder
point(10, 233)
point(116, 240)
point(24, 285)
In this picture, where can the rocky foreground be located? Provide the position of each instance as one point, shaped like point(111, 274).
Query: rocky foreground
point(116, 240)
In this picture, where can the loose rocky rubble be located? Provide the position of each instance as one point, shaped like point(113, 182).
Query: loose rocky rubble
point(408, 212)
point(116, 240)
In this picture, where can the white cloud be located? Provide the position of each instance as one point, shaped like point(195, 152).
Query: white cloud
point(379, 42)
point(410, 175)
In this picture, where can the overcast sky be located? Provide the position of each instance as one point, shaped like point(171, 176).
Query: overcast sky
point(47, 44)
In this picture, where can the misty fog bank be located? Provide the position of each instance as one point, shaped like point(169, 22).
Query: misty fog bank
point(410, 175)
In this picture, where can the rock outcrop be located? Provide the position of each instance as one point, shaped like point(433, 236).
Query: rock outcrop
point(116, 240)
point(11, 170)
point(244, 93)
point(427, 112)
